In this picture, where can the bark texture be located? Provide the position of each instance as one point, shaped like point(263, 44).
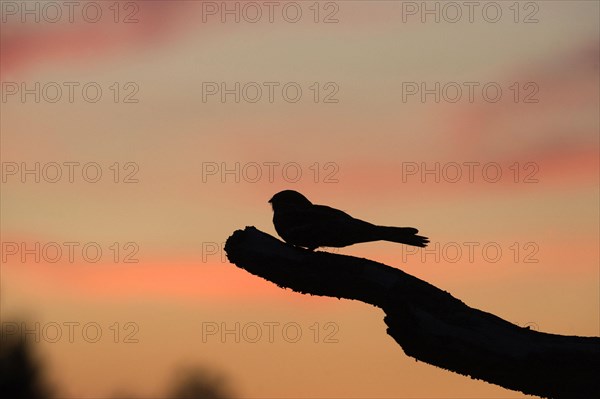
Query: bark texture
point(428, 323)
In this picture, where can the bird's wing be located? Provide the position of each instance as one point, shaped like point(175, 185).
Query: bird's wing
point(325, 226)
point(329, 213)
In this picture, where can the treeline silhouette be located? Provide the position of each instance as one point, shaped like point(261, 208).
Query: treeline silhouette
point(21, 373)
point(23, 376)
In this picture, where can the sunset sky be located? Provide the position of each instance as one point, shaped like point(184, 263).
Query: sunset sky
point(505, 184)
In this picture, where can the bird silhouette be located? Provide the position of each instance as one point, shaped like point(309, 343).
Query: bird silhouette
point(301, 223)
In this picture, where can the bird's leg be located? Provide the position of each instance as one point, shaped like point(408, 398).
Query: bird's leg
point(302, 247)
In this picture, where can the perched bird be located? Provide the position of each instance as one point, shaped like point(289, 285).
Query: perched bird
point(301, 223)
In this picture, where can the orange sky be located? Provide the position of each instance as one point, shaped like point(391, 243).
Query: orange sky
point(351, 154)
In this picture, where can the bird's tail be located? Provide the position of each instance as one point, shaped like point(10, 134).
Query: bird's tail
point(403, 235)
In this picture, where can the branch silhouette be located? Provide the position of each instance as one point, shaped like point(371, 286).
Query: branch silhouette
point(430, 324)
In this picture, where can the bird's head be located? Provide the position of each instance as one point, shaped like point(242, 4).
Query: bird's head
point(288, 199)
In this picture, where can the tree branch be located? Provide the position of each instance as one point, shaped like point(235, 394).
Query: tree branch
point(430, 324)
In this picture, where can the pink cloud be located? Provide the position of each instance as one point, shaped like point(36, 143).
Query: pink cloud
point(24, 45)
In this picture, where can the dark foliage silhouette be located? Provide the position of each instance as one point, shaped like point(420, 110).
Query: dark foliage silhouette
point(301, 223)
point(199, 383)
point(21, 374)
